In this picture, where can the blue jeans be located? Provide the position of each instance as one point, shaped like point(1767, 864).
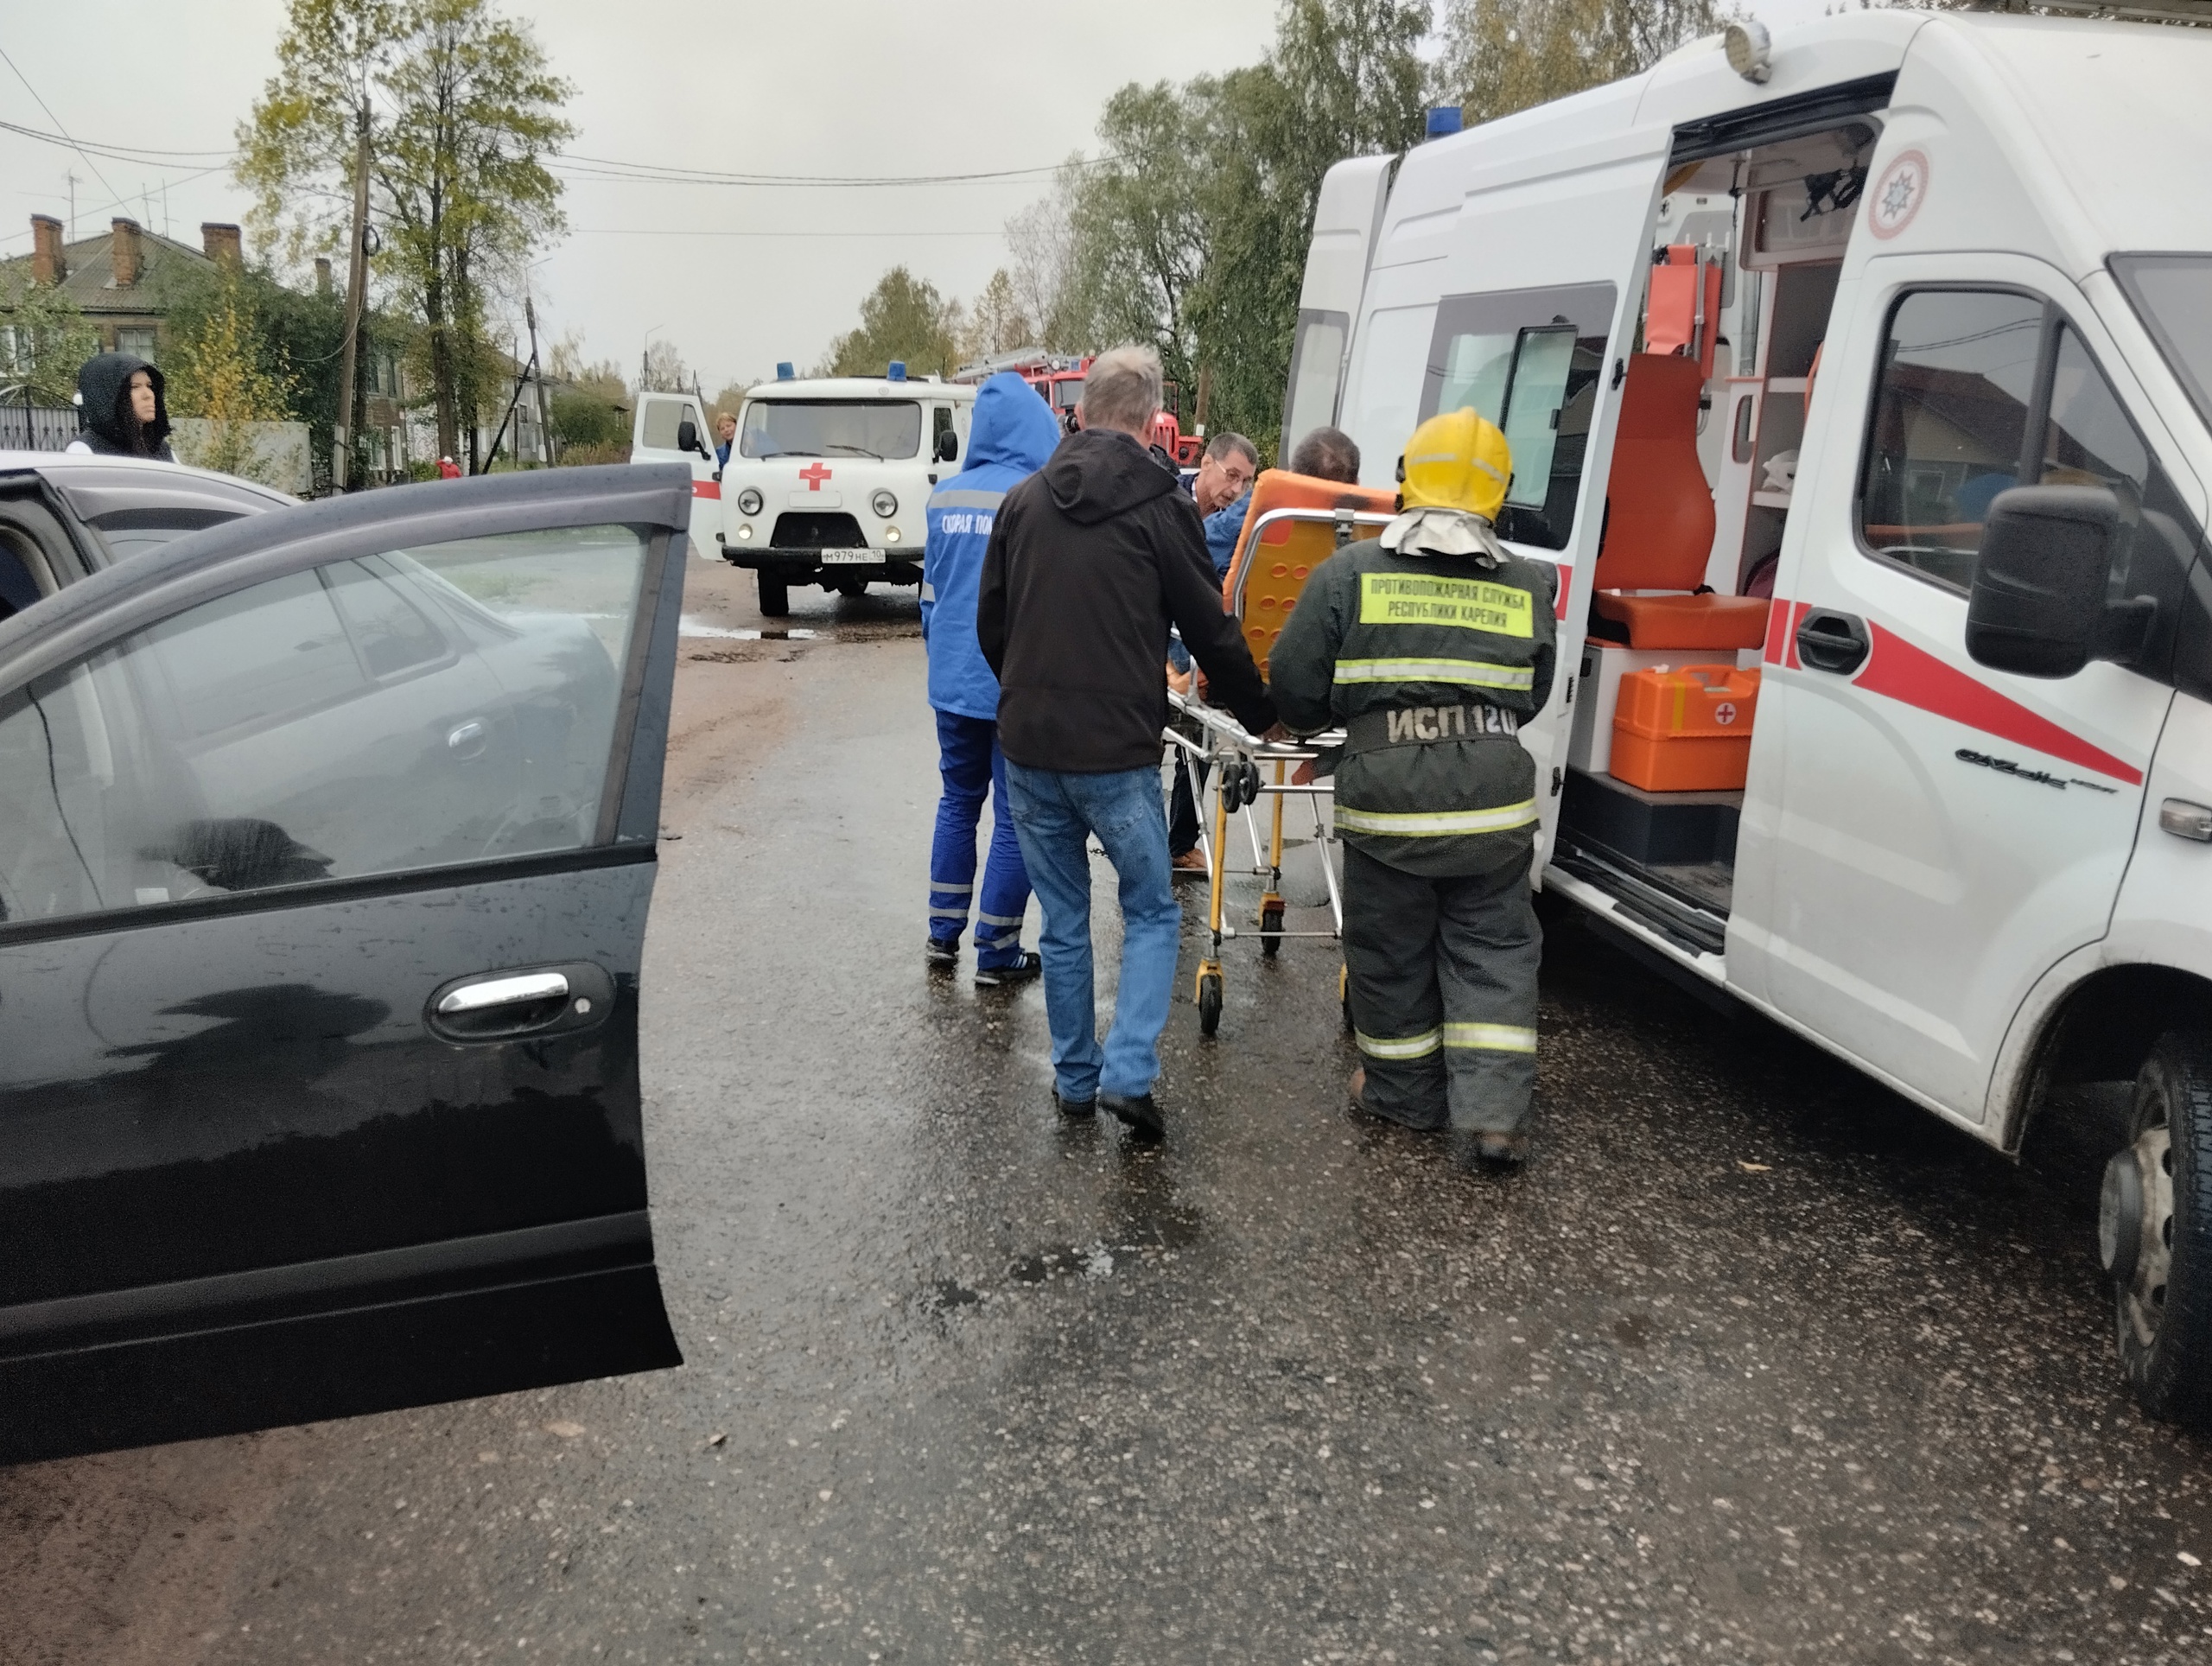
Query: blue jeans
point(1056, 813)
point(969, 761)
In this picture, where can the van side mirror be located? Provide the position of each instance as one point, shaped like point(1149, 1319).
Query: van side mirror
point(687, 438)
point(948, 447)
point(2037, 607)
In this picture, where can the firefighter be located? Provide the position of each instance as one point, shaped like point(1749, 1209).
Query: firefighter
point(1431, 645)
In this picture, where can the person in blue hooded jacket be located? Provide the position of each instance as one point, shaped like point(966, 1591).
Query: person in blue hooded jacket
point(1010, 437)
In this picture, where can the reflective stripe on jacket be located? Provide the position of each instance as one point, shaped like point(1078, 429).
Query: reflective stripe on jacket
point(1381, 632)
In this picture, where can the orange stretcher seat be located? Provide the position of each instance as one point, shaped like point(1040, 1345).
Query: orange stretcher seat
point(1269, 571)
point(1659, 521)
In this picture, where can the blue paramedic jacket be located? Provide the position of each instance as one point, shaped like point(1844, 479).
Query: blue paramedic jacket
point(1010, 435)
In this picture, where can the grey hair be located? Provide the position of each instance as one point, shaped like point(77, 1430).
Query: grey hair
point(1122, 389)
point(1327, 454)
point(1224, 442)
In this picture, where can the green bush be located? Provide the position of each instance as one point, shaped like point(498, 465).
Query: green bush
point(587, 419)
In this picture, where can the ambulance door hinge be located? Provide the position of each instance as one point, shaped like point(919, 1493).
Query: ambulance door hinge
point(1569, 699)
point(1620, 372)
point(1559, 779)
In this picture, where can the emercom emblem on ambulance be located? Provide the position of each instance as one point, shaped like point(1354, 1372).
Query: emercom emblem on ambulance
point(1414, 599)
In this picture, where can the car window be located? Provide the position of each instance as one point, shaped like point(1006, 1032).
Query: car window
point(18, 590)
point(663, 416)
point(1531, 361)
point(446, 704)
point(1317, 360)
point(1950, 424)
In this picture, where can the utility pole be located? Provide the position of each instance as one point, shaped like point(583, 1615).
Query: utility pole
point(72, 177)
point(356, 288)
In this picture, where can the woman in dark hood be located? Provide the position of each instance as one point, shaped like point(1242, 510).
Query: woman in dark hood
point(124, 410)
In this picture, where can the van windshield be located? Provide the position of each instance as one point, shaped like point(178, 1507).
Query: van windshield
point(831, 428)
point(2172, 294)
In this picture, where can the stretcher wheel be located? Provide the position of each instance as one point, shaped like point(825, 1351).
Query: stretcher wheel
point(1343, 993)
point(1209, 1002)
point(1270, 929)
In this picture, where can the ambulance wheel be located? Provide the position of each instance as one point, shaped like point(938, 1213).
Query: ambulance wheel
point(2154, 1233)
point(775, 596)
point(853, 587)
point(1209, 1002)
point(1271, 930)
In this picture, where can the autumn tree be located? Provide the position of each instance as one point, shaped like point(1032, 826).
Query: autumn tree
point(1503, 55)
point(462, 112)
point(996, 323)
point(905, 318)
point(220, 367)
point(663, 369)
point(44, 339)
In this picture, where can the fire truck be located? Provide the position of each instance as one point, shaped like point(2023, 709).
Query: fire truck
point(1058, 380)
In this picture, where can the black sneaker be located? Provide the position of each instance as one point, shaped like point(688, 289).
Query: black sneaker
point(943, 955)
point(1078, 1109)
point(1141, 1113)
point(1026, 969)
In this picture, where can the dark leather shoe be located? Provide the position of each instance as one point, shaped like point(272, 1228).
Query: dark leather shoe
point(1141, 1113)
point(1082, 1109)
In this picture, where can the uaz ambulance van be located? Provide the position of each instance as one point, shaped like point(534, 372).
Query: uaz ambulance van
point(1859, 383)
point(830, 478)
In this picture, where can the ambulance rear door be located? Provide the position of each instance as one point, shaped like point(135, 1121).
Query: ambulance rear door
point(1531, 328)
point(1347, 218)
point(1947, 831)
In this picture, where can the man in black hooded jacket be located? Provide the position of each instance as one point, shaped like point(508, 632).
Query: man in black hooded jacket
point(124, 410)
point(1092, 558)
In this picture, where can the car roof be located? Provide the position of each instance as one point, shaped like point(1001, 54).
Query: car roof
point(74, 466)
point(106, 491)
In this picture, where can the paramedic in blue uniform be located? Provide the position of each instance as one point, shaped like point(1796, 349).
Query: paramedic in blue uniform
point(1432, 644)
point(1009, 438)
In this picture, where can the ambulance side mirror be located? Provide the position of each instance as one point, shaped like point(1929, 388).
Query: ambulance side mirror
point(948, 447)
point(687, 438)
point(2037, 607)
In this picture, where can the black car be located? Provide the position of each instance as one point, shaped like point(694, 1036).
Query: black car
point(326, 841)
point(64, 516)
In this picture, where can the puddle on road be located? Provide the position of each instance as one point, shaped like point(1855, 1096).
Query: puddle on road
point(688, 625)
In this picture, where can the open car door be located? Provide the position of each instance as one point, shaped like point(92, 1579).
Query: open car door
point(327, 840)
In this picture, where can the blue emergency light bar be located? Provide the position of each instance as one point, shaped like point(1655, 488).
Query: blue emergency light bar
point(784, 371)
point(896, 372)
point(1444, 119)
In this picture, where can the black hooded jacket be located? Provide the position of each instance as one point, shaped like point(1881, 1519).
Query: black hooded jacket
point(104, 388)
point(1092, 558)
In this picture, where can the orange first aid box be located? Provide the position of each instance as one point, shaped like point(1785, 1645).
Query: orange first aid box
point(1685, 730)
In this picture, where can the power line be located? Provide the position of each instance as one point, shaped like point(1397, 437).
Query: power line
point(648, 231)
point(56, 120)
point(117, 152)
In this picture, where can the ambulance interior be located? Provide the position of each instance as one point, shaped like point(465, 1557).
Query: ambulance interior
point(1745, 258)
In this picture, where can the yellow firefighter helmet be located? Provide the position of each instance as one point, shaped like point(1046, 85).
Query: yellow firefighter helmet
point(1455, 461)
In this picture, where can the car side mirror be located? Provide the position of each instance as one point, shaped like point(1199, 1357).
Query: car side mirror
point(2038, 606)
point(948, 447)
point(687, 438)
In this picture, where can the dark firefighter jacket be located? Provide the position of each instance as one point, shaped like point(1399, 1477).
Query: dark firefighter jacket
point(1431, 662)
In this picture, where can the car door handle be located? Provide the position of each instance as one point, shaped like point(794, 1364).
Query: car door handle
point(1830, 641)
point(525, 989)
point(524, 1003)
point(467, 741)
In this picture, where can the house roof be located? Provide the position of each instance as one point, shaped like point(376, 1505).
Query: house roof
point(90, 279)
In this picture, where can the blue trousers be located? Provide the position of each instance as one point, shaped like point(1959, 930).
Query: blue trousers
point(969, 761)
point(1056, 813)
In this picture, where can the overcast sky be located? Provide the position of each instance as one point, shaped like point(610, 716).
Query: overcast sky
point(738, 277)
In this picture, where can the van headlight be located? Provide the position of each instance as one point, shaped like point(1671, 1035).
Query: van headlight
point(884, 504)
point(748, 501)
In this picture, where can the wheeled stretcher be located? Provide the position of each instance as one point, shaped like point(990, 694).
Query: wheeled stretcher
point(1293, 524)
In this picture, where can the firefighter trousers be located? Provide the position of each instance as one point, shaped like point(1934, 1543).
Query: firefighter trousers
point(1443, 985)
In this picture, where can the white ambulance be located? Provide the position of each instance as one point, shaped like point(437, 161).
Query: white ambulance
point(829, 478)
point(1875, 357)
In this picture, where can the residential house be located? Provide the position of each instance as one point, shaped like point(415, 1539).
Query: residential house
point(114, 277)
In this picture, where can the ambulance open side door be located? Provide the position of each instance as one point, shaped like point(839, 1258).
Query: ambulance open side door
point(1347, 216)
point(1541, 292)
point(672, 428)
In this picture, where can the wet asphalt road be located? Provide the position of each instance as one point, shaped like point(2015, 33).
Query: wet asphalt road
point(1754, 1364)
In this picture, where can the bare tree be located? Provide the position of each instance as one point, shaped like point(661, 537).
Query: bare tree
point(664, 370)
point(1042, 238)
